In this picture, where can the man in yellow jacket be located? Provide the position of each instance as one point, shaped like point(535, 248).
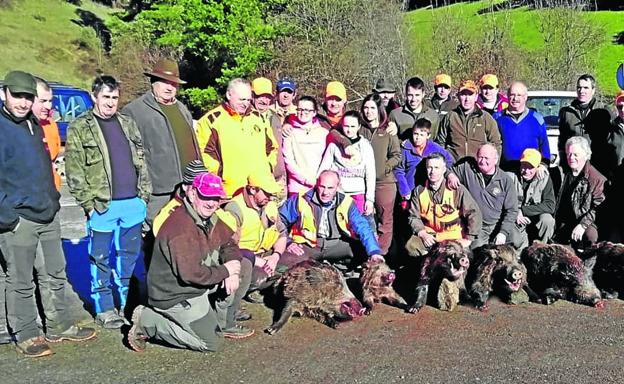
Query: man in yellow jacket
point(234, 139)
point(263, 236)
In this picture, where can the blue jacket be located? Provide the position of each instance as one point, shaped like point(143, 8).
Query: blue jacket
point(26, 182)
point(405, 172)
point(528, 132)
point(358, 225)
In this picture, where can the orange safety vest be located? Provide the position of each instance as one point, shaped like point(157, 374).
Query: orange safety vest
point(441, 220)
point(304, 230)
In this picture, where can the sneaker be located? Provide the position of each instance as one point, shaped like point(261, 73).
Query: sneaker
point(242, 315)
point(34, 347)
point(110, 320)
point(73, 333)
point(137, 340)
point(5, 336)
point(237, 332)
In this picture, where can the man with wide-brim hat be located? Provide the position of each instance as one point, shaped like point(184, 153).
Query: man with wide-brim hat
point(386, 91)
point(166, 127)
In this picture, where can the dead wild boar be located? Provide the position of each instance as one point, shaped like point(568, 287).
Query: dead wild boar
point(316, 290)
point(442, 274)
point(377, 279)
point(555, 272)
point(495, 269)
point(608, 268)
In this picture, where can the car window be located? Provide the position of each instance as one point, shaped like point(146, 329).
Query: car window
point(549, 107)
point(68, 107)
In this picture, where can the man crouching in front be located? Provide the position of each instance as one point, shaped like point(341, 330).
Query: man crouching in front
point(195, 271)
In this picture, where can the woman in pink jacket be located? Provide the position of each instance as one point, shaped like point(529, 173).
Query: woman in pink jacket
point(303, 148)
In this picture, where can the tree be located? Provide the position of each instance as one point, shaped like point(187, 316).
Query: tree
point(218, 40)
point(353, 41)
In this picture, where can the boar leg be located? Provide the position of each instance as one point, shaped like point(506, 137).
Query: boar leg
point(287, 313)
point(393, 298)
point(369, 302)
point(421, 298)
point(533, 297)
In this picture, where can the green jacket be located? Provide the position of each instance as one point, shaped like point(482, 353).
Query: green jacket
point(87, 162)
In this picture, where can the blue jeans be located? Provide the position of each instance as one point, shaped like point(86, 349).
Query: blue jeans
point(119, 225)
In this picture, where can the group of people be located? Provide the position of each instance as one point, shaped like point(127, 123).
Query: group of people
point(221, 207)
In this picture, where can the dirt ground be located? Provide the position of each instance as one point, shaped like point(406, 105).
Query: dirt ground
point(530, 343)
point(563, 343)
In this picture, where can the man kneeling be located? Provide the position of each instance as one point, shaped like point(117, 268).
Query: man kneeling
point(438, 213)
point(195, 273)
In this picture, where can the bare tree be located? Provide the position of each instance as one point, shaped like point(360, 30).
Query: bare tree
point(352, 41)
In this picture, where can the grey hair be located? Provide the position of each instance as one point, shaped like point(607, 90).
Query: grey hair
point(580, 141)
point(236, 82)
point(329, 172)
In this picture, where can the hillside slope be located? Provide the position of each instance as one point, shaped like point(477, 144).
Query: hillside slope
point(525, 34)
point(44, 37)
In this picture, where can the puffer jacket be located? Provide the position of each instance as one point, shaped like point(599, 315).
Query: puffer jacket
point(88, 166)
point(587, 195)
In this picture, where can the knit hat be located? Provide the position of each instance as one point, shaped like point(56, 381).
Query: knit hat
point(442, 78)
point(265, 181)
point(531, 156)
point(489, 79)
point(193, 168)
point(209, 185)
point(468, 85)
point(337, 89)
point(20, 82)
point(262, 86)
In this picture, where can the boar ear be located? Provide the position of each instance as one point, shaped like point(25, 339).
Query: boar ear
point(590, 263)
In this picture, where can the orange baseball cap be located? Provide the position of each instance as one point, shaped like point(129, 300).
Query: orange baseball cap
point(337, 89)
point(531, 156)
point(468, 85)
point(262, 86)
point(442, 78)
point(489, 79)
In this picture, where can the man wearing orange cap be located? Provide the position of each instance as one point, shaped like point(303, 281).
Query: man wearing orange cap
point(490, 99)
point(166, 128)
point(442, 101)
point(263, 236)
point(334, 106)
point(262, 99)
point(234, 138)
point(467, 127)
point(536, 201)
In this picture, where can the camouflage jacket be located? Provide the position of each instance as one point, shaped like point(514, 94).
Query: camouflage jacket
point(87, 162)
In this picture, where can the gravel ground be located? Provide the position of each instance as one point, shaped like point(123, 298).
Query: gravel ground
point(562, 343)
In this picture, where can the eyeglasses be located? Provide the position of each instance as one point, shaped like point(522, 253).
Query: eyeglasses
point(304, 110)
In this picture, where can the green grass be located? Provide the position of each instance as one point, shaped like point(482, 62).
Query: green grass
point(38, 36)
point(524, 34)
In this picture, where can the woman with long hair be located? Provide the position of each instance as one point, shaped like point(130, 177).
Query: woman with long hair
point(387, 151)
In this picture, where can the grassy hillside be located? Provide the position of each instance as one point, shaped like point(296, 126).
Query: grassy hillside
point(525, 34)
point(39, 36)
